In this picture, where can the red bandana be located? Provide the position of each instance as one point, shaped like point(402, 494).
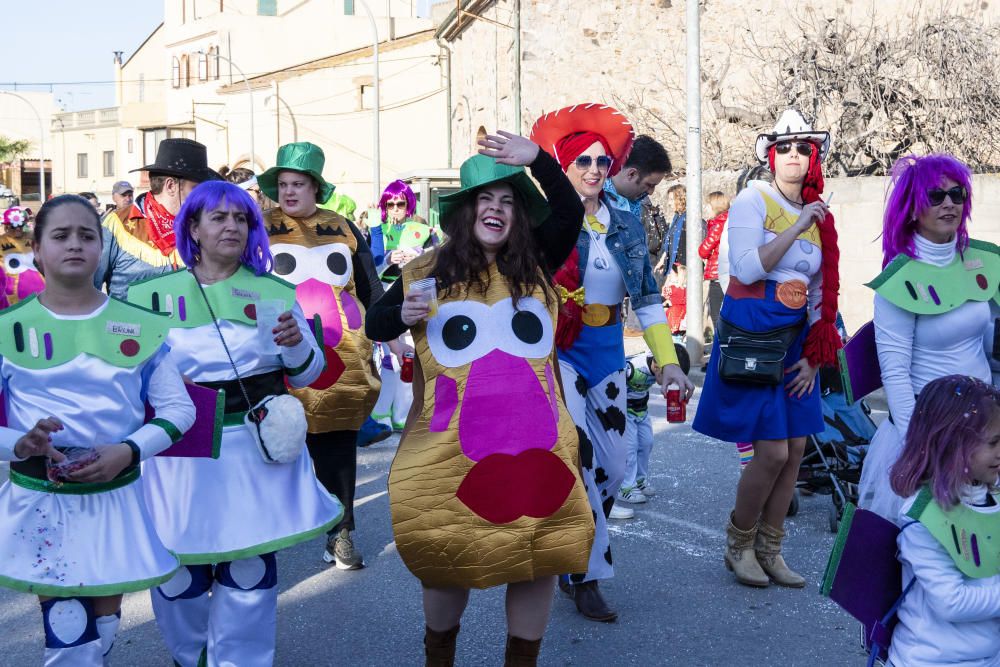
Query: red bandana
point(160, 226)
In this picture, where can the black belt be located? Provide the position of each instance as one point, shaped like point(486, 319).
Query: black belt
point(258, 387)
point(637, 404)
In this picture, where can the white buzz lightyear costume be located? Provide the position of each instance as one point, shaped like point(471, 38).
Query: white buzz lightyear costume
point(70, 541)
point(226, 517)
point(638, 426)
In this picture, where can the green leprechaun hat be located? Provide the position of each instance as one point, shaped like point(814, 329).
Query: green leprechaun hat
point(303, 157)
point(480, 170)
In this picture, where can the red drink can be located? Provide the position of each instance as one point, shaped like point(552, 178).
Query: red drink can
point(406, 369)
point(676, 408)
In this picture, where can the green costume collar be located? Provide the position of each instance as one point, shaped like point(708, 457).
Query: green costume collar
point(407, 234)
point(120, 334)
point(177, 295)
point(925, 289)
point(971, 537)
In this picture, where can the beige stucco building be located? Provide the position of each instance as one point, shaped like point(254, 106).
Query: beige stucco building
point(308, 65)
point(25, 116)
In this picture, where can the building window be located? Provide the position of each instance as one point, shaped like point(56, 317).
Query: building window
point(367, 96)
point(109, 163)
point(202, 67)
point(175, 72)
point(81, 165)
point(142, 87)
point(150, 142)
point(185, 71)
point(267, 7)
point(348, 7)
point(131, 147)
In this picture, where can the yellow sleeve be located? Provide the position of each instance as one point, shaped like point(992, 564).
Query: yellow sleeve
point(661, 343)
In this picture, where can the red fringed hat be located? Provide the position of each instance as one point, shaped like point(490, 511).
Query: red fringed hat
point(601, 119)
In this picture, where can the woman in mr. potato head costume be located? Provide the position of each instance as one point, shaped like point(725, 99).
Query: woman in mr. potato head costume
point(486, 488)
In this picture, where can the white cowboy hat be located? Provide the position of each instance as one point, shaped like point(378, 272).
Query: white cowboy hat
point(791, 125)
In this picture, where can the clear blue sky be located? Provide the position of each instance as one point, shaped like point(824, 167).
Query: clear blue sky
point(68, 40)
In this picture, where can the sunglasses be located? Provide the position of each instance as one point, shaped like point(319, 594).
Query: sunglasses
point(957, 195)
point(583, 162)
point(803, 147)
point(395, 204)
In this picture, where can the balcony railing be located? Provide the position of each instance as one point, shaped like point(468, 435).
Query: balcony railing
point(83, 119)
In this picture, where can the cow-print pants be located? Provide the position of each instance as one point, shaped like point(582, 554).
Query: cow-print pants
point(599, 415)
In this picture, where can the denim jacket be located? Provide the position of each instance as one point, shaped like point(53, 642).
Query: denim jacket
point(627, 242)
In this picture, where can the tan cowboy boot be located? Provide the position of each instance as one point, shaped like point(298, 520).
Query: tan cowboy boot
point(740, 558)
point(439, 647)
point(768, 548)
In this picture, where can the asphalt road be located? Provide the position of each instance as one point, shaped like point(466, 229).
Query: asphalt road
point(678, 605)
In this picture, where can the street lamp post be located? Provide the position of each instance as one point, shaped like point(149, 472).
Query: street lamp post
point(41, 144)
point(246, 83)
point(376, 143)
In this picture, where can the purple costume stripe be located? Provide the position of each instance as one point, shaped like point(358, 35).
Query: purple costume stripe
point(47, 339)
point(934, 295)
point(181, 308)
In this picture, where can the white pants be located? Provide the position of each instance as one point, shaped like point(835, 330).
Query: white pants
point(601, 423)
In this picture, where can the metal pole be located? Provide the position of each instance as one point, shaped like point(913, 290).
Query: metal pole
point(695, 299)
point(41, 144)
point(376, 144)
point(246, 82)
point(517, 67)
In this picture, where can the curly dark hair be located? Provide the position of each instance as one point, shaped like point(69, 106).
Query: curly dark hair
point(460, 261)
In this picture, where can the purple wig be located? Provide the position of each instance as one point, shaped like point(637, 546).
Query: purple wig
point(910, 179)
point(209, 196)
point(948, 424)
point(395, 189)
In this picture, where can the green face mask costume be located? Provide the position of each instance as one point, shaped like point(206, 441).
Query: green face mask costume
point(925, 289)
point(971, 537)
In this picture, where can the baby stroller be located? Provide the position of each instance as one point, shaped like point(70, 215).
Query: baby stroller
point(834, 457)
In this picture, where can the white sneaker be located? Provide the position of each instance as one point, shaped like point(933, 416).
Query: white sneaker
point(619, 512)
point(631, 494)
point(645, 487)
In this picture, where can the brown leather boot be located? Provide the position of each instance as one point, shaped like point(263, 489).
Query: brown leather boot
point(521, 652)
point(591, 604)
point(439, 647)
point(768, 550)
point(740, 557)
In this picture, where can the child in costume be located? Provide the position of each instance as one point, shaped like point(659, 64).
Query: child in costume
point(486, 490)
point(641, 373)
point(947, 472)
point(78, 369)
point(610, 261)
point(932, 302)
point(226, 517)
point(675, 295)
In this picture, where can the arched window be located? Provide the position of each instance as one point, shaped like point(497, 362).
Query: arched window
point(202, 67)
point(185, 71)
point(175, 72)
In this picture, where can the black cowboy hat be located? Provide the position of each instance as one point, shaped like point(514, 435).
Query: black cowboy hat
point(183, 158)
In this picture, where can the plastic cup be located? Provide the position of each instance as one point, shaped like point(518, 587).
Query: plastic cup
point(268, 311)
point(427, 287)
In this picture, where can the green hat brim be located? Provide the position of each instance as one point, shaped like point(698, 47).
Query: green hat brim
point(538, 208)
point(268, 182)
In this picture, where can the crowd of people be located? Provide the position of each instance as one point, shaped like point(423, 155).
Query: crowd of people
point(187, 381)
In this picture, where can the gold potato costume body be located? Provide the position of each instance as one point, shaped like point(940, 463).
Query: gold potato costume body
point(485, 487)
point(315, 254)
